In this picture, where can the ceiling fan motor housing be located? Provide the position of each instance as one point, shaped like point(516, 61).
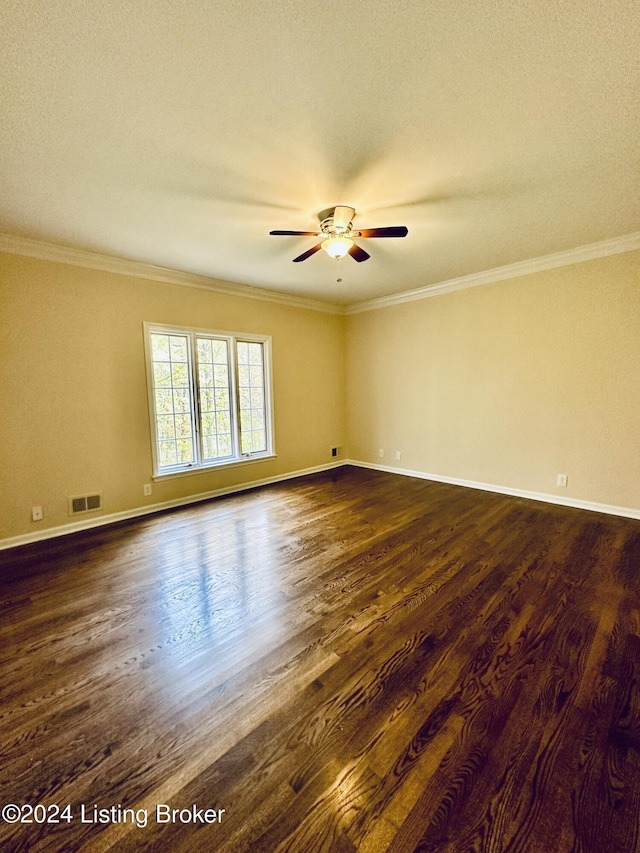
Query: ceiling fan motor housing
point(330, 223)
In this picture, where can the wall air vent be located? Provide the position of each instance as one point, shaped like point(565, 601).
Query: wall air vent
point(85, 503)
point(93, 502)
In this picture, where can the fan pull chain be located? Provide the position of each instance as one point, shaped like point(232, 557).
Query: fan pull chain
point(338, 270)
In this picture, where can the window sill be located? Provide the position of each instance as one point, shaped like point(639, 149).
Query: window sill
point(207, 469)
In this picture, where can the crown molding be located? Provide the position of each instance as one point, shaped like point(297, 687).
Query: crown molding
point(108, 263)
point(617, 245)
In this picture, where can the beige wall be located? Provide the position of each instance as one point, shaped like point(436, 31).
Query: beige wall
point(75, 416)
point(508, 384)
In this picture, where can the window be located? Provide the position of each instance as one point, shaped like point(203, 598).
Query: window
point(209, 398)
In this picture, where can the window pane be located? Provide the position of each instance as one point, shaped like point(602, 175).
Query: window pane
point(164, 401)
point(221, 376)
point(183, 426)
point(214, 390)
point(178, 348)
point(253, 433)
point(182, 399)
point(166, 428)
point(160, 347)
point(227, 415)
point(243, 376)
point(162, 374)
point(222, 399)
point(168, 455)
point(220, 355)
point(172, 396)
point(179, 375)
point(205, 374)
point(185, 450)
point(204, 349)
point(255, 354)
point(206, 400)
point(224, 444)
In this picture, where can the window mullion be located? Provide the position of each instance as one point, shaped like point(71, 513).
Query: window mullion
point(265, 410)
point(195, 391)
point(235, 391)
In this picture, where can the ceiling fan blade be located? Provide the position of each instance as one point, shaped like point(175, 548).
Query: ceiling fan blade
point(296, 233)
point(307, 254)
point(342, 217)
point(358, 254)
point(394, 231)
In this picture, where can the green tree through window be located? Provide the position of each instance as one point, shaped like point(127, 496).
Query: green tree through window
point(209, 398)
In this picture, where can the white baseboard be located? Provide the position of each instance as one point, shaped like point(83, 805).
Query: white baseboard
point(138, 512)
point(624, 511)
point(86, 524)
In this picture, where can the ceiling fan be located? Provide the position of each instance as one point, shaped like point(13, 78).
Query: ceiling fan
point(336, 226)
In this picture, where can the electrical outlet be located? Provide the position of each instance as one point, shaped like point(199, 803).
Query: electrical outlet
point(398, 455)
point(335, 451)
point(381, 453)
point(36, 513)
point(561, 480)
point(147, 488)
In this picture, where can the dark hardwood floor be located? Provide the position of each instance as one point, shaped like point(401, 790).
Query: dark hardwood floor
point(353, 661)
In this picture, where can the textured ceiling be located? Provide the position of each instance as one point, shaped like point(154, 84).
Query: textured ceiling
point(181, 133)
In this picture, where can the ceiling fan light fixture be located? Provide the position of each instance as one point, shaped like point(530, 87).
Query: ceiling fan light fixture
point(337, 247)
point(336, 226)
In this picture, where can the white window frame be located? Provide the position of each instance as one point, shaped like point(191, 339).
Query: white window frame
point(238, 458)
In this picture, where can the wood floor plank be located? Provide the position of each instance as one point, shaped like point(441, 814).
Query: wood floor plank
point(350, 661)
